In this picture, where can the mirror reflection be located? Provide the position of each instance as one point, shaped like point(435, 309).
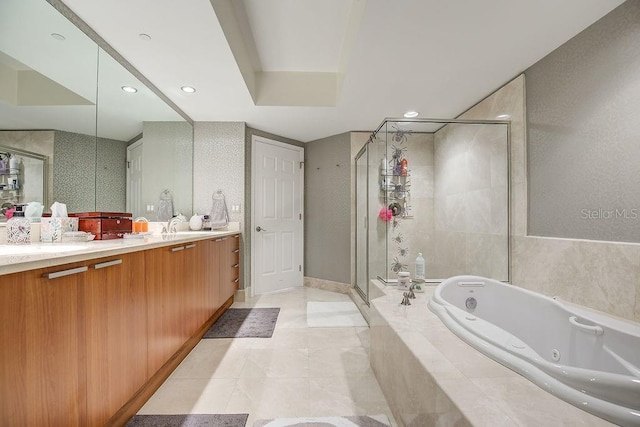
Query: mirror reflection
point(109, 143)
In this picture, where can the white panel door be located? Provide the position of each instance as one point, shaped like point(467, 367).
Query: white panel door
point(277, 215)
point(134, 179)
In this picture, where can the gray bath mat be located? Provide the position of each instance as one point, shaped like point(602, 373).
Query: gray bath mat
point(350, 421)
point(245, 323)
point(189, 420)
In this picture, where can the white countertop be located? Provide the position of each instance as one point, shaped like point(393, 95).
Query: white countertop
point(17, 258)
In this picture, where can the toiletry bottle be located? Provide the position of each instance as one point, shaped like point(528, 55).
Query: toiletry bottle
point(383, 173)
point(404, 171)
point(206, 223)
point(18, 228)
point(14, 164)
point(420, 268)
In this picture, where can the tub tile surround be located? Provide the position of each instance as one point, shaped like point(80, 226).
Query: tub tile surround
point(437, 379)
point(327, 285)
point(604, 276)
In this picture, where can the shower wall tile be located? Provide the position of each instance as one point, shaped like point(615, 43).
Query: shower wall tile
point(479, 211)
point(456, 213)
point(422, 240)
point(417, 230)
point(498, 162)
point(469, 159)
point(451, 254)
point(486, 255)
point(478, 170)
point(421, 179)
point(499, 211)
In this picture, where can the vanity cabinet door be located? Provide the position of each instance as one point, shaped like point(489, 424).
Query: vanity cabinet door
point(116, 330)
point(194, 287)
point(165, 303)
point(211, 280)
point(42, 354)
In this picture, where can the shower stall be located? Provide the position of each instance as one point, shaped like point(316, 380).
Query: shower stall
point(436, 187)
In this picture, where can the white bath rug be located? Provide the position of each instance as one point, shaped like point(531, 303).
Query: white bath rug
point(333, 314)
point(351, 421)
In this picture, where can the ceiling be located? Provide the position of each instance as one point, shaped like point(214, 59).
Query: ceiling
point(53, 83)
point(307, 69)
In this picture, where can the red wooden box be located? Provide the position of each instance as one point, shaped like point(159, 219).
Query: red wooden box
point(105, 225)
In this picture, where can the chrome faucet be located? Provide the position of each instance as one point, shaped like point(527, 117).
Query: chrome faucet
point(172, 224)
point(412, 295)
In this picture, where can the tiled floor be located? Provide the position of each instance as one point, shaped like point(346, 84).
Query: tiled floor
point(300, 371)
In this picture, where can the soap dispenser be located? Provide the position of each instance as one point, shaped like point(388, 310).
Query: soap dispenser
point(18, 228)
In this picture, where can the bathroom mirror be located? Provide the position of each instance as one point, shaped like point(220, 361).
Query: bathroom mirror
point(61, 96)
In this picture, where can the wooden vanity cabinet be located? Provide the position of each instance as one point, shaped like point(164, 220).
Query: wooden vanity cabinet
point(165, 282)
point(84, 343)
point(116, 333)
point(41, 356)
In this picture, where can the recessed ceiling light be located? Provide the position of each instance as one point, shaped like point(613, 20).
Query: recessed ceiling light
point(188, 89)
point(58, 36)
point(129, 89)
point(504, 116)
point(411, 114)
point(144, 36)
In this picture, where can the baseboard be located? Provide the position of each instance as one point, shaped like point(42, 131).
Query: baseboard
point(242, 295)
point(327, 285)
point(138, 400)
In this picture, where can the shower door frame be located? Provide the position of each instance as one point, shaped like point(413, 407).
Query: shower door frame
point(364, 294)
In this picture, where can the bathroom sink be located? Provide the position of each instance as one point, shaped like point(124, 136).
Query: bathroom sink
point(38, 249)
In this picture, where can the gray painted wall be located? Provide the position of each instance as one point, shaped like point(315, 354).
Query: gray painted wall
point(328, 208)
point(583, 104)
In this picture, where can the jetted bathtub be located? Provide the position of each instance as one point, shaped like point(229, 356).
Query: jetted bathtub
point(585, 358)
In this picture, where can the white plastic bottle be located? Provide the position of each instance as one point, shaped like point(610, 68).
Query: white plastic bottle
point(420, 268)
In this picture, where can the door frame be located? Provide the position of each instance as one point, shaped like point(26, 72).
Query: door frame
point(130, 148)
point(255, 139)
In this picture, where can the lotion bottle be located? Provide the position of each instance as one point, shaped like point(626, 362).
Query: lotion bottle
point(420, 268)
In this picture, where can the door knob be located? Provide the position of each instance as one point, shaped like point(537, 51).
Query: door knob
point(258, 228)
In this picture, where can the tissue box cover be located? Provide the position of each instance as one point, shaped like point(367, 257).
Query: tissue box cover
point(105, 225)
point(52, 228)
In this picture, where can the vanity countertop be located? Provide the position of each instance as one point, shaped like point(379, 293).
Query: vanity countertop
point(17, 258)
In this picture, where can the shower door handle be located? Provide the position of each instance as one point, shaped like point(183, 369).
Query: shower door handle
point(597, 330)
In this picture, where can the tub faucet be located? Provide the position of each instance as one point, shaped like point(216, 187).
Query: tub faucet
point(411, 294)
point(405, 300)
